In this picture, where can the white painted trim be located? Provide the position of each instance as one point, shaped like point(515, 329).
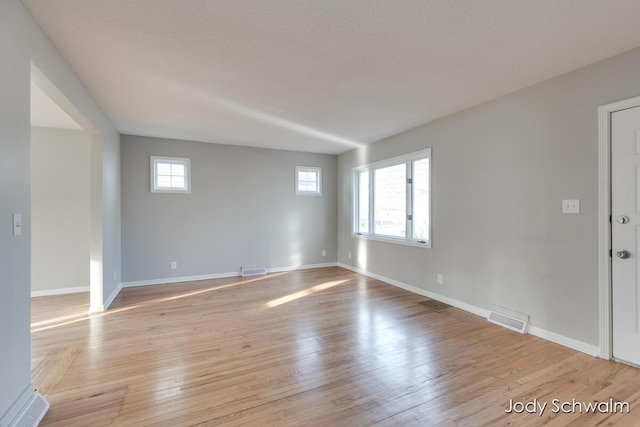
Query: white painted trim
point(301, 267)
point(113, 296)
point(107, 303)
point(583, 347)
point(18, 406)
point(186, 162)
point(604, 214)
point(370, 168)
point(459, 304)
point(61, 291)
point(591, 350)
point(167, 280)
point(314, 169)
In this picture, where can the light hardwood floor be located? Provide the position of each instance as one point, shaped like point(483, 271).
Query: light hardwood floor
point(324, 347)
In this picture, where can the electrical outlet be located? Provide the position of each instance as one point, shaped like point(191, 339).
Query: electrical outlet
point(440, 279)
point(324, 252)
point(174, 265)
point(349, 255)
point(115, 274)
point(571, 206)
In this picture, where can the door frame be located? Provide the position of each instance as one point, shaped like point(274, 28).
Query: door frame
point(604, 220)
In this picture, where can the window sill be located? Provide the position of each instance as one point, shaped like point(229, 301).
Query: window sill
point(396, 241)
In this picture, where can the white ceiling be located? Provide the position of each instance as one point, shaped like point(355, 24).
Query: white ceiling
point(47, 114)
point(319, 75)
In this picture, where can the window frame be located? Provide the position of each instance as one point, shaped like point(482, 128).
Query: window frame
point(408, 160)
point(186, 162)
point(315, 169)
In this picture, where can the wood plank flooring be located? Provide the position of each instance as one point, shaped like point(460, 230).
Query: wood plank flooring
point(323, 347)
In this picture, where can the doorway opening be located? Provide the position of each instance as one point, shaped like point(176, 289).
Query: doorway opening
point(66, 197)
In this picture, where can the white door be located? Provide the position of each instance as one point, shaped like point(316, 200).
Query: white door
point(625, 233)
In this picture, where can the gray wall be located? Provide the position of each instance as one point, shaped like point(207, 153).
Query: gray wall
point(60, 208)
point(500, 171)
point(242, 211)
point(21, 41)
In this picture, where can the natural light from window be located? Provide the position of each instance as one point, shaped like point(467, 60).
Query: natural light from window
point(392, 200)
point(308, 180)
point(170, 175)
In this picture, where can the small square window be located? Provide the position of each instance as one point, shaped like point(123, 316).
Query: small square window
point(308, 180)
point(170, 175)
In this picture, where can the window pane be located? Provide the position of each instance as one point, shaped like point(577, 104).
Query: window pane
point(164, 181)
point(177, 169)
point(390, 200)
point(363, 202)
point(308, 181)
point(177, 181)
point(421, 199)
point(163, 168)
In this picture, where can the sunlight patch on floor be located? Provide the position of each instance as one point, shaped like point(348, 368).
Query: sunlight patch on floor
point(296, 295)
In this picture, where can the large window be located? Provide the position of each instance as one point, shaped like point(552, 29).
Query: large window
point(170, 175)
point(392, 200)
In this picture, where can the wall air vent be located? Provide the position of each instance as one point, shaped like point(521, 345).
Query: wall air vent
point(508, 322)
point(253, 271)
point(34, 412)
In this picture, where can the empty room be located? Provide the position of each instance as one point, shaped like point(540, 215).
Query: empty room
point(324, 213)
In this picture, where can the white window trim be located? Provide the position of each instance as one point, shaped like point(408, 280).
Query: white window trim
point(317, 170)
point(176, 160)
point(407, 158)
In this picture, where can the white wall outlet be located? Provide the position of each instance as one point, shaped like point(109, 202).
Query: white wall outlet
point(440, 279)
point(324, 252)
point(17, 224)
point(349, 255)
point(115, 274)
point(571, 206)
point(174, 265)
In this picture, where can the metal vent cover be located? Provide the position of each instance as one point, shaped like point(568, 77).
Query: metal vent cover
point(508, 322)
point(36, 409)
point(253, 271)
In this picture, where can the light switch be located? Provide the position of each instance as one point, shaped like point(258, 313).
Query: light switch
point(571, 206)
point(17, 224)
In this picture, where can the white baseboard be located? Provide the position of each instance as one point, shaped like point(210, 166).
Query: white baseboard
point(106, 303)
point(164, 281)
point(179, 279)
point(301, 267)
point(574, 344)
point(60, 291)
point(590, 349)
point(113, 296)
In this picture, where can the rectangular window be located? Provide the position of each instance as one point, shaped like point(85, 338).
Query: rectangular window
point(170, 175)
point(392, 200)
point(308, 180)
point(362, 226)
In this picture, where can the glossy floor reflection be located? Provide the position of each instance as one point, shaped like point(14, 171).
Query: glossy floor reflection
point(316, 347)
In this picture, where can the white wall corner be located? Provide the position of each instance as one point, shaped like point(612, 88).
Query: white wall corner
point(107, 302)
point(583, 347)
